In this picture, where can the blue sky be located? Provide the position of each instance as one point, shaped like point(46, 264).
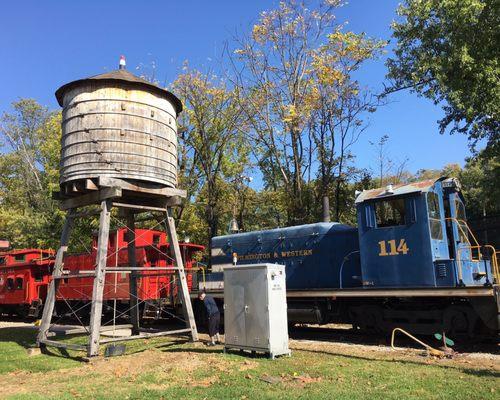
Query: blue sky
point(44, 44)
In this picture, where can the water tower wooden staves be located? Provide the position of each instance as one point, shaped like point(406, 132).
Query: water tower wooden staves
point(119, 149)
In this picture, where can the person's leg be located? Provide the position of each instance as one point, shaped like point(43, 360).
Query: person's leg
point(217, 325)
point(212, 321)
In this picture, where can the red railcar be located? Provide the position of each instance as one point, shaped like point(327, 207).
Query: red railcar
point(24, 281)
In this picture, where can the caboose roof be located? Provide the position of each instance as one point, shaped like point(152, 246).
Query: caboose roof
point(397, 190)
point(123, 76)
point(23, 251)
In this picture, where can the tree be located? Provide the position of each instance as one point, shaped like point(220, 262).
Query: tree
point(212, 146)
point(29, 172)
point(447, 51)
point(294, 80)
point(389, 169)
point(479, 179)
point(339, 107)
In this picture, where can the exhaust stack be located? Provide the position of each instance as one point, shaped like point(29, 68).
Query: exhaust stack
point(326, 209)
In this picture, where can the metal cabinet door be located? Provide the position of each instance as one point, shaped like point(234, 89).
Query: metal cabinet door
point(234, 311)
point(256, 310)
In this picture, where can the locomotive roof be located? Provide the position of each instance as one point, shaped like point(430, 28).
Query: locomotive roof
point(401, 189)
point(121, 75)
point(290, 231)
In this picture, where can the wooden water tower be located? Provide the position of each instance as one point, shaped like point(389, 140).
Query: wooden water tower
point(119, 149)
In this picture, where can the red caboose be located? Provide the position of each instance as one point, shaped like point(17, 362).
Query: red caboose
point(24, 276)
point(156, 290)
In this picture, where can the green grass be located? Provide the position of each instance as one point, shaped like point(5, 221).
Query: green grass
point(183, 370)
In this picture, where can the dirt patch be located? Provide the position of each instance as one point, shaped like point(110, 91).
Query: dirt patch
point(16, 324)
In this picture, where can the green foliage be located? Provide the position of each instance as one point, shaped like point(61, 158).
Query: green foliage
point(447, 50)
point(213, 150)
point(29, 172)
point(480, 180)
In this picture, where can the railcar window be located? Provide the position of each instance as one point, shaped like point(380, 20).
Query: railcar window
point(2, 260)
point(38, 276)
point(10, 283)
point(20, 257)
point(434, 216)
point(19, 283)
point(156, 239)
point(390, 213)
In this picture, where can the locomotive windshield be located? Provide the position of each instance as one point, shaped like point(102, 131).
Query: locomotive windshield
point(434, 216)
point(390, 212)
point(460, 216)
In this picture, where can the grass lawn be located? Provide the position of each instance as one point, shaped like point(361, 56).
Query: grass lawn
point(165, 368)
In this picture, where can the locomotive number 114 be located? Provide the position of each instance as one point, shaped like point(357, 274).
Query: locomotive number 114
point(401, 248)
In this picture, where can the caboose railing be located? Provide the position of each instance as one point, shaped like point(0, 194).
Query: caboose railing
point(475, 247)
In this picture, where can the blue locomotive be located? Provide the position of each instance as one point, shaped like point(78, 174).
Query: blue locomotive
point(411, 263)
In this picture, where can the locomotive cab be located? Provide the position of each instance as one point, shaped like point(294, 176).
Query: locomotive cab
point(416, 235)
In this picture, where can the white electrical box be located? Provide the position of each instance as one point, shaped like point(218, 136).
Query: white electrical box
point(255, 310)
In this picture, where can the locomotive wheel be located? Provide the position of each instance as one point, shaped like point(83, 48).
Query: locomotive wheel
point(367, 318)
point(459, 322)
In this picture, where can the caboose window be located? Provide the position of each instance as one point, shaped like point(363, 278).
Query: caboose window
point(434, 216)
point(19, 283)
point(156, 239)
point(20, 257)
point(38, 276)
point(2, 260)
point(390, 213)
point(10, 283)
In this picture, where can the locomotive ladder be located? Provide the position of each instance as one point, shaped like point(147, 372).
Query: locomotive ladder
point(124, 196)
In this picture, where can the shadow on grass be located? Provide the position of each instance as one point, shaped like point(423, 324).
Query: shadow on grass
point(199, 350)
point(24, 336)
point(470, 371)
point(355, 336)
point(62, 353)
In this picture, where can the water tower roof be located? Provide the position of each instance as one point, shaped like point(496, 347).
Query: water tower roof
point(121, 75)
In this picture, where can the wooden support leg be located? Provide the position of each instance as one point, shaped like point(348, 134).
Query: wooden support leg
point(100, 275)
point(48, 309)
point(134, 302)
point(187, 308)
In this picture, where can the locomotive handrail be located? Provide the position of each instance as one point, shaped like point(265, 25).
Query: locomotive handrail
point(494, 261)
point(202, 269)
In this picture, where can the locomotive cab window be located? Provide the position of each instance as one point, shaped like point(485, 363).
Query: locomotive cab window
point(19, 283)
point(434, 211)
point(390, 213)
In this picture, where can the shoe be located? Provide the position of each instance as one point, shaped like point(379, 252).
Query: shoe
point(210, 344)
